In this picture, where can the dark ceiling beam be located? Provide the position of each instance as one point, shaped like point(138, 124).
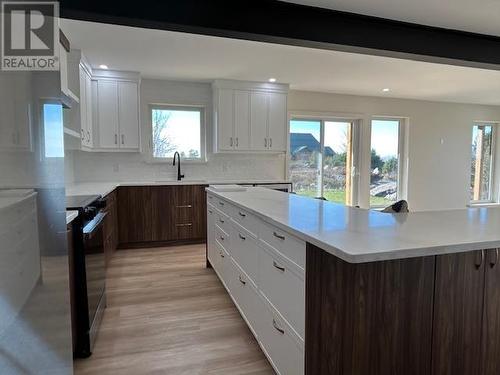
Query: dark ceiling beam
point(286, 23)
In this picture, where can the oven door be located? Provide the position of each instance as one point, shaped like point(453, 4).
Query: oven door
point(93, 242)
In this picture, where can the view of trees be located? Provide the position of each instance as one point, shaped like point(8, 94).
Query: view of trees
point(162, 142)
point(481, 158)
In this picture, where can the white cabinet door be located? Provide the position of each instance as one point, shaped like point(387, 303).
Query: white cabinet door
point(277, 122)
point(22, 112)
point(242, 120)
point(83, 109)
point(225, 120)
point(258, 121)
point(128, 114)
point(8, 136)
point(107, 107)
point(88, 110)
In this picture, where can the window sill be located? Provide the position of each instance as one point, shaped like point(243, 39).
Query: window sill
point(183, 161)
point(484, 204)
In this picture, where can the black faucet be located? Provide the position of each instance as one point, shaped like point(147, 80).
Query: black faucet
point(179, 175)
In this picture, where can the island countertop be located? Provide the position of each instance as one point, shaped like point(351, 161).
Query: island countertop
point(359, 235)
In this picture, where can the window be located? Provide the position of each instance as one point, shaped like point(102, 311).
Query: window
point(53, 136)
point(178, 128)
point(386, 169)
point(482, 163)
point(321, 159)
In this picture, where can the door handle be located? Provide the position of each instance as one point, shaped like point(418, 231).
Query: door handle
point(479, 259)
point(270, 142)
point(123, 139)
point(495, 259)
point(236, 141)
point(277, 328)
point(116, 139)
point(231, 141)
point(265, 142)
point(275, 265)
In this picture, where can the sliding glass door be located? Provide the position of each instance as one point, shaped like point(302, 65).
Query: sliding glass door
point(321, 159)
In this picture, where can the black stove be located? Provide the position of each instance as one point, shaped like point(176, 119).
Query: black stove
point(87, 206)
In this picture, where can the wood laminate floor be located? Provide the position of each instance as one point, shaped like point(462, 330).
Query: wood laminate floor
point(168, 314)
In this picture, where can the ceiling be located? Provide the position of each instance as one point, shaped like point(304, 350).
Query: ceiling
point(189, 57)
point(477, 16)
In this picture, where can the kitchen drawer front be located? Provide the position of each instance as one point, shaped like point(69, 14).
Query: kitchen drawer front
point(223, 221)
point(280, 343)
point(282, 283)
point(245, 250)
point(223, 206)
point(246, 296)
point(223, 238)
point(289, 246)
point(221, 264)
point(211, 233)
point(247, 220)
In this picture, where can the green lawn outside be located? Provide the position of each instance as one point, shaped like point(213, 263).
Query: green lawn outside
point(338, 196)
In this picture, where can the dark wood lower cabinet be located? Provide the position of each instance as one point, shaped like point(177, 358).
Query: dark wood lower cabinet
point(436, 315)
point(368, 319)
point(458, 308)
point(161, 215)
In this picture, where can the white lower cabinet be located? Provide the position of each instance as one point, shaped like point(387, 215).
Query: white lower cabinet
point(267, 287)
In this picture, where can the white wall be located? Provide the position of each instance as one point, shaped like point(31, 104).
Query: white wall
point(135, 166)
point(438, 174)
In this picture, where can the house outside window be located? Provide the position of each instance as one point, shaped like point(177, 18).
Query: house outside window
point(482, 163)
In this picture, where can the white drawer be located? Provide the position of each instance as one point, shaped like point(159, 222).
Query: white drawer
point(221, 263)
point(223, 238)
point(211, 233)
point(280, 344)
point(286, 244)
point(247, 220)
point(244, 250)
point(246, 297)
point(223, 206)
point(282, 283)
point(223, 221)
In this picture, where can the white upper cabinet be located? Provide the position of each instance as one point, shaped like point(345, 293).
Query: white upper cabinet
point(117, 108)
point(249, 116)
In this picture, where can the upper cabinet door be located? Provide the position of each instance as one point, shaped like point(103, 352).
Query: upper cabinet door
point(258, 121)
point(83, 108)
point(277, 122)
point(107, 113)
point(128, 110)
point(88, 110)
point(241, 120)
point(225, 120)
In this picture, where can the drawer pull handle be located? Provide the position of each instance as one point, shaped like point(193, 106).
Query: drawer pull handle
point(242, 214)
point(242, 237)
point(222, 221)
point(222, 238)
point(282, 269)
point(221, 203)
point(185, 206)
point(277, 328)
point(279, 236)
point(495, 261)
point(221, 254)
point(210, 212)
point(184, 225)
point(479, 259)
point(242, 281)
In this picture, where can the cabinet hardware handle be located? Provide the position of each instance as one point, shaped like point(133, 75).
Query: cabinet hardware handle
point(242, 214)
point(116, 139)
point(495, 261)
point(184, 206)
point(242, 237)
point(210, 212)
point(88, 135)
point(282, 269)
point(265, 142)
point(222, 221)
point(278, 236)
point(221, 203)
point(184, 225)
point(123, 139)
point(231, 141)
point(479, 259)
point(270, 142)
point(236, 141)
point(242, 281)
point(221, 254)
point(222, 238)
point(277, 328)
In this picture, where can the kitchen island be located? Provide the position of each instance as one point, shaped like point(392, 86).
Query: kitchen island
point(341, 290)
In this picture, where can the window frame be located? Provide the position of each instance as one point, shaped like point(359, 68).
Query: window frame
point(41, 131)
point(493, 195)
point(402, 155)
point(355, 122)
point(179, 107)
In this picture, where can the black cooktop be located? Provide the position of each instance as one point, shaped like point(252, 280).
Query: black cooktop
point(78, 202)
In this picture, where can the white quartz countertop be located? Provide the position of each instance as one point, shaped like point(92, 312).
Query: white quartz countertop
point(358, 235)
point(70, 216)
point(104, 188)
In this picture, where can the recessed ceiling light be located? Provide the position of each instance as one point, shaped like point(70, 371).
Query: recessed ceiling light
point(386, 90)
point(272, 79)
point(102, 66)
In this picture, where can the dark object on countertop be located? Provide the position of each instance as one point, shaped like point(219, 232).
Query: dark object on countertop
point(398, 207)
point(179, 175)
